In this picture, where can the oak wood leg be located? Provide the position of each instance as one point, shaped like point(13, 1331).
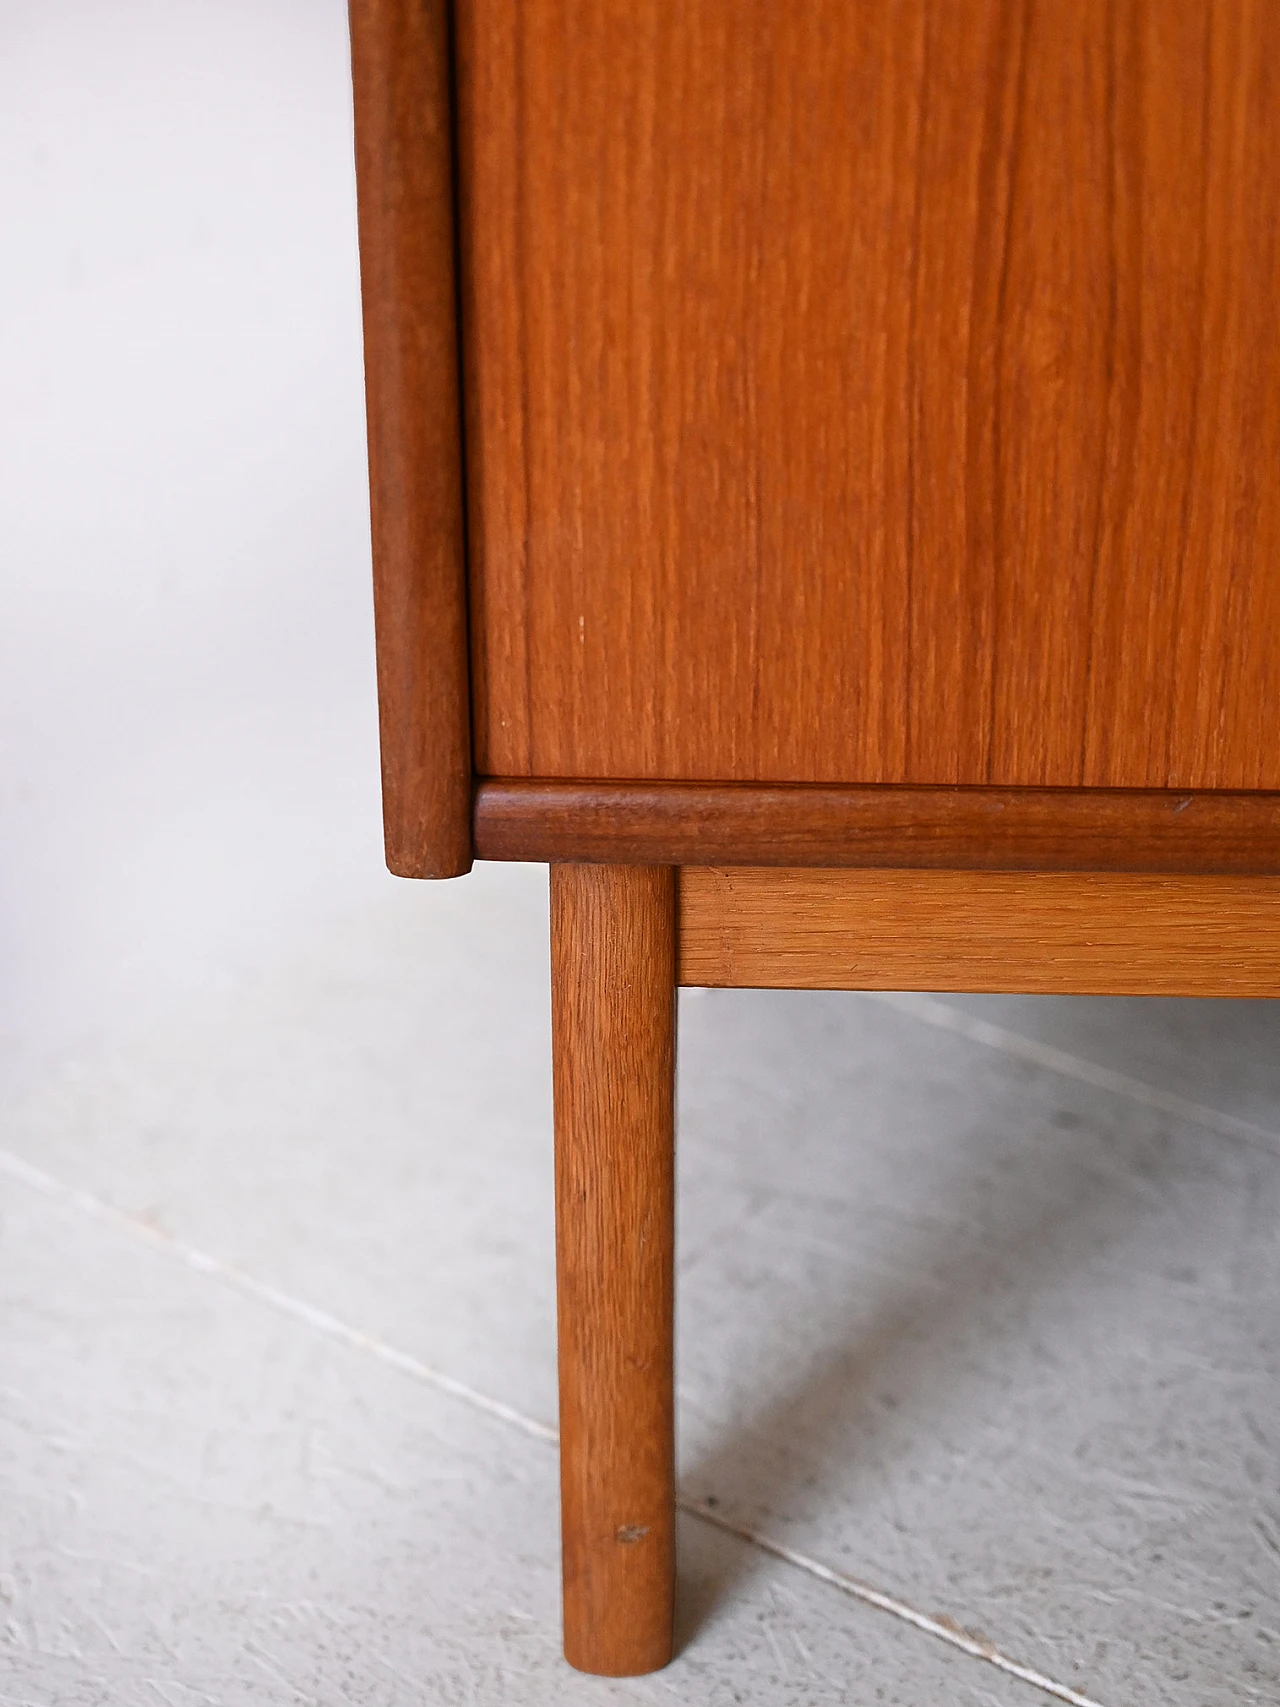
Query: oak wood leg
point(613, 1033)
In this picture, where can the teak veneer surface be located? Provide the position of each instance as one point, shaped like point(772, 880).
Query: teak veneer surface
point(963, 828)
point(1084, 933)
point(873, 393)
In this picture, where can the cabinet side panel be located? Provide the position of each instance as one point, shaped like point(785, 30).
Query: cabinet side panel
point(874, 394)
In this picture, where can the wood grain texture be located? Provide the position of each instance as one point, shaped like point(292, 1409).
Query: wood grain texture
point(400, 74)
point(949, 828)
point(613, 1039)
point(877, 393)
point(1061, 933)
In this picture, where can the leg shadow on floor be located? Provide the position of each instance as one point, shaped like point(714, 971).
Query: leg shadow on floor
point(912, 1223)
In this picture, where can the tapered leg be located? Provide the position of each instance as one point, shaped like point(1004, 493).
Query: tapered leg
point(613, 1029)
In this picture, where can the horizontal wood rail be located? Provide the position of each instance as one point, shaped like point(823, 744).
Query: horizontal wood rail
point(1065, 933)
point(978, 829)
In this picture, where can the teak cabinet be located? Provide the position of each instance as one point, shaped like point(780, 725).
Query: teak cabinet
point(825, 476)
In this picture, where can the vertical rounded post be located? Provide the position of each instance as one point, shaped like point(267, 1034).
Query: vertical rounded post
point(404, 199)
point(613, 976)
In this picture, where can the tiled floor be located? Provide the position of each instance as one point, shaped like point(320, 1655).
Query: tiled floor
point(966, 1316)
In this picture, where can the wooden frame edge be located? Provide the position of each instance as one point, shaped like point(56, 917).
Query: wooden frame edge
point(979, 829)
point(400, 59)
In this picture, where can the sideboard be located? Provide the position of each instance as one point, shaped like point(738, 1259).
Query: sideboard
point(825, 482)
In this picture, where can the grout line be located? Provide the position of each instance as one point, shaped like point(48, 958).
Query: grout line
point(943, 1628)
point(201, 1262)
point(284, 1302)
point(947, 1018)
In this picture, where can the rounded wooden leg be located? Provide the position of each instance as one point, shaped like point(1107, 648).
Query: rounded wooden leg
point(613, 1028)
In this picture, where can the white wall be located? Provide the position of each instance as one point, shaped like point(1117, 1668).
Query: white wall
point(188, 771)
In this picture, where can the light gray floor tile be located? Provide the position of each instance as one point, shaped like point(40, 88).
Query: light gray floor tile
point(368, 1126)
point(1224, 1054)
point(1006, 1342)
point(206, 1502)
